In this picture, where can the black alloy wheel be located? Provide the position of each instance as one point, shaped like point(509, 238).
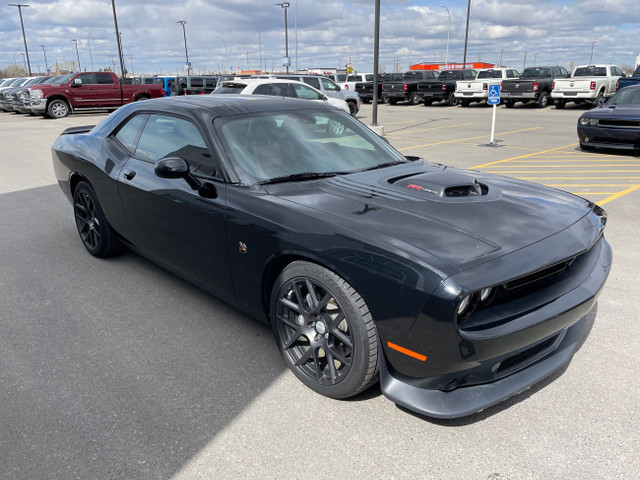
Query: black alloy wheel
point(427, 102)
point(324, 330)
point(414, 99)
point(452, 100)
point(95, 232)
point(353, 108)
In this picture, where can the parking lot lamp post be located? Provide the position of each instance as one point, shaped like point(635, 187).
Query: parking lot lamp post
point(77, 54)
point(46, 65)
point(448, 35)
point(186, 52)
point(90, 53)
point(24, 36)
point(225, 53)
point(23, 60)
point(593, 44)
point(285, 5)
point(524, 65)
point(466, 37)
point(115, 21)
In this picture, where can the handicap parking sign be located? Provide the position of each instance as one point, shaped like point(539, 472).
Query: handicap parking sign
point(494, 95)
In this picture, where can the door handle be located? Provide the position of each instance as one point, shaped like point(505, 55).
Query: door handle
point(129, 174)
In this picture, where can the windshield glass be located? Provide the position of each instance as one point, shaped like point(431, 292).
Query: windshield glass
point(626, 96)
point(314, 142)
point(536, 72)
point(52, 79)
point(66, 78)
point(450, 75)
point(233, 88)
point(490, 74)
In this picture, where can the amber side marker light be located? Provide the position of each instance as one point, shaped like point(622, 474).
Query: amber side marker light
point(406, 351)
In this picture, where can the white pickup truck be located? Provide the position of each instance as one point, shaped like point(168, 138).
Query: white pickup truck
point(477, 90)
point(588, 84)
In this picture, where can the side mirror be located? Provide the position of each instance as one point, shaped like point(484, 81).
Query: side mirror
point(175, 167)
point(338, 88)
point(76, 82)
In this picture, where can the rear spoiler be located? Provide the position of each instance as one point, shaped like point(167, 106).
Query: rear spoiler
point(73, 130)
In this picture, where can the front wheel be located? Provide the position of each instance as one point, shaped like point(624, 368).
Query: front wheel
point(95, 232)
point(57, 109)
point(353, 108)
point(324, 330)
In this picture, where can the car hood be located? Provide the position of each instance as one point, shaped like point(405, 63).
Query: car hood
point(463, 217)
point(617, 112)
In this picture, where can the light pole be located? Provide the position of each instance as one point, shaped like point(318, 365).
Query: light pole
point(46, 65)
point(593, 44)
point(23, 60)
point(466, 36)
point(225, 53)
point(448, 34)
point(285, 5)
point(90, 53)
point(77, 54)
point(524, 65)
point(115, 21)
point(186, 53)
point(24, 36)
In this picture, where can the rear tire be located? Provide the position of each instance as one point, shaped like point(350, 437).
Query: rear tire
point(95, 232)
point(393, 101)
point(464, 103)
point(414, 99)
point(560, 104)
point(543, 100)
point(452, 100)
point(509, 103)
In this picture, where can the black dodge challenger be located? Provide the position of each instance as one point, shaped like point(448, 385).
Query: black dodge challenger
point(456, 289)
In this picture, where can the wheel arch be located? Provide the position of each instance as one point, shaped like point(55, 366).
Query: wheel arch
point(74, 179)
point(60, 97)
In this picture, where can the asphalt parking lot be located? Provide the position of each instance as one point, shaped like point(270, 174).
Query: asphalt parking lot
point(118, 369)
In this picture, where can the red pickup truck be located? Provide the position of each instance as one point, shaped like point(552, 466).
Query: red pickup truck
point(87, 91)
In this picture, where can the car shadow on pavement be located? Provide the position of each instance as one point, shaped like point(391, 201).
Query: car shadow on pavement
point(111, 368)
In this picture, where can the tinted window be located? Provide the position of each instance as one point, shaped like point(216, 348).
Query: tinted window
point(314, 82)
point(328, 85)
point(590, 72)
point(165, 136)
point(536, 72)
point(197, 82)
point(273, 89)
point(302, 91)
point(211, 82)
point(490, 74)
point(626, 96)
point(128, 133)
point(232, 88)
point(104, 79)
point(87, 78)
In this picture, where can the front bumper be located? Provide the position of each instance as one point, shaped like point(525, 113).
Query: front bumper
point(610, 137)
point(466, 370)
point(39, 105)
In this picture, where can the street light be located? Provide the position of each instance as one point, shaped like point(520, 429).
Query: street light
point(225, 53)
point(77, 54)
point(285, 5)
point(133, 72)
point(118, 39)
point(46, 65)
point(90, 53)
point(448, 34)
point(466, 36)
point(186, 53)
point(23, 61)
point(24, 36)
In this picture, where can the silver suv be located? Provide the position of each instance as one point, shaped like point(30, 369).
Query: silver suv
point(325, 85)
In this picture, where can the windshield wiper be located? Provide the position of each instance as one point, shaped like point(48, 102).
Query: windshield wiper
point(294, 177)
point(382, 165)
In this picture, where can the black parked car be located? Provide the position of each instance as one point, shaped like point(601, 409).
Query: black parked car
point(457, 288)
point(614, 124)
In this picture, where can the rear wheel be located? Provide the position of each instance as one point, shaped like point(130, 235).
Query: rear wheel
point(598, 99)
point(452, 100)
point(324, 330)
point(427, 102)
point(414, 99)
point(560, 104)
point(95, 232)
point(464, 103)
point(543, 99)
point(393, 101)
point(509, 103)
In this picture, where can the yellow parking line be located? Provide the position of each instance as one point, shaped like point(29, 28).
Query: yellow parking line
point(587, 185)
point(398, 132)
point(619, 194)
point(469, 138)
point(572, 178)
point(594, 193)
point(570, 166)
point(524, 156)
point(570, 161)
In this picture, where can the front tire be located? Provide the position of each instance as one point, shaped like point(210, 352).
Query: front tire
point(324, 330)
point(95, 232)
point(353, 108)
point(57, 109)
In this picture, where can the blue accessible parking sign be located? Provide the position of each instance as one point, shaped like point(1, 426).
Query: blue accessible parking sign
point(494, 94)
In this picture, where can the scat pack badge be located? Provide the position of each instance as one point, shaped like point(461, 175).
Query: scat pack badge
point(420, 188)
point(242, 247)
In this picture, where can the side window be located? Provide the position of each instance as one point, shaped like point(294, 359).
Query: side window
point(211, 82)
point(302, 91)
point(564, 71)
point(328, 85)
point(197, 83)
point(164, 136)
point(128, 133)
point(87, 78)
point(509, 73)
point(314, 82)
point(104, 79)
point(273, 89)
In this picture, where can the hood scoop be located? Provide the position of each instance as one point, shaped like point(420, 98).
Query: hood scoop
point(444, 185)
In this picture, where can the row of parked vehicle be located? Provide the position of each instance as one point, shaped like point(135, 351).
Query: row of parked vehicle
point(541, 85)
point(57, 97)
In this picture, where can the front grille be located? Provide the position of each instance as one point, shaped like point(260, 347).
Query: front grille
point(615, 123)
point(525, 357)
point(539, 275)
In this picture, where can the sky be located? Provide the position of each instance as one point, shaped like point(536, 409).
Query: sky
point(249, 34)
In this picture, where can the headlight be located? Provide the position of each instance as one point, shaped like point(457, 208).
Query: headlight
point(584, 121)
point(464, 304)
point(36, 93)
point(593, 121)
point(485, 294)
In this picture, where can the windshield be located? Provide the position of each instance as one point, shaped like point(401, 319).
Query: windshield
point(67, 78)
point(52, 79)
point(490, 74)
point(233, 88)
point(536, 72)
point(7, 82)
point(626, 96)
point(590, 72)
point(308, 143)
point(450, 75)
